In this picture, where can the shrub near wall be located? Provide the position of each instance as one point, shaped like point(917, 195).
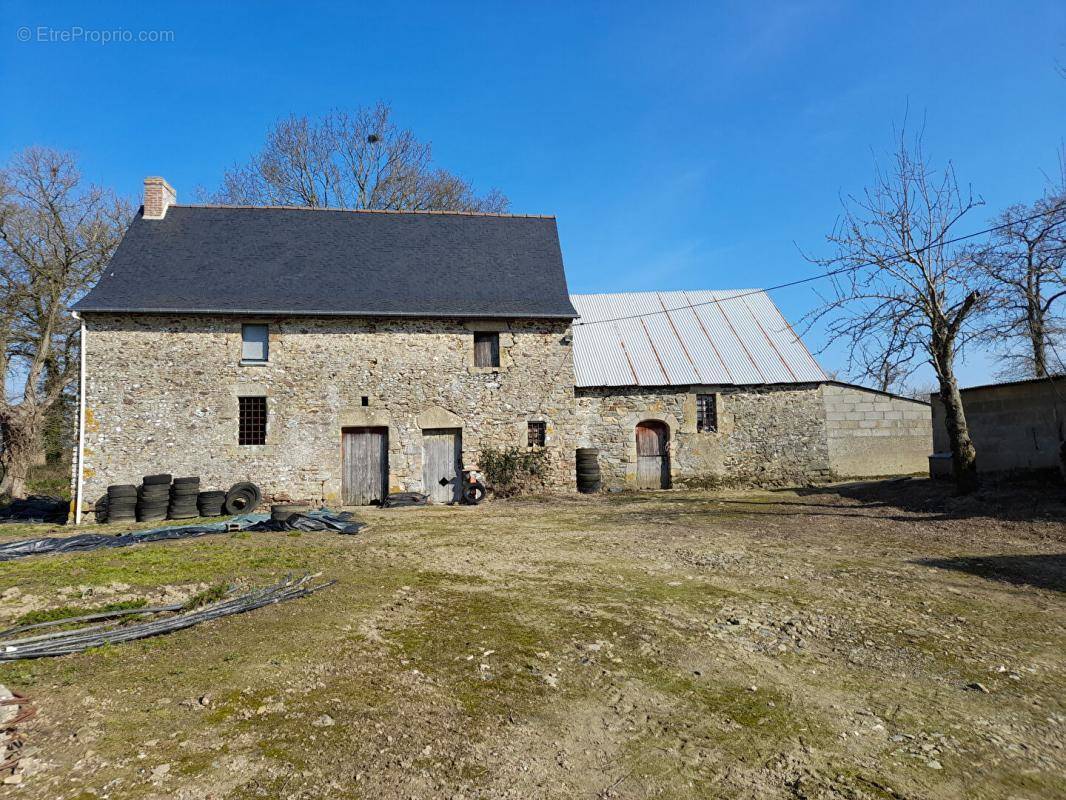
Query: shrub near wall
point(512, 471)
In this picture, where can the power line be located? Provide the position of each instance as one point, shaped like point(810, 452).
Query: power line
point(830, 273)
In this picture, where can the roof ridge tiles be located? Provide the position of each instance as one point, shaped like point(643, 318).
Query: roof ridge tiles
point(365, 210)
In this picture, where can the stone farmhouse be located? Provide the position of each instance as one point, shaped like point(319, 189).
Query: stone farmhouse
point(339, 355)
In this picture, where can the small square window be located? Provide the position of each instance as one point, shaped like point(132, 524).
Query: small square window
point(486, 349)
point(537, 434)
point(706, 413)
point(252, 422)
point(255, 344)
point(365, 401)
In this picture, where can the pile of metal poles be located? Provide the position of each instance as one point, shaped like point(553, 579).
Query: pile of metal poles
point(64, 642)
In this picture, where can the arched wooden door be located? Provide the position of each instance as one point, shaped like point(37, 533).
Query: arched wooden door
point(653, 455)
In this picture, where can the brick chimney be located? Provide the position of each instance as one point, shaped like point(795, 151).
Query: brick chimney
point(158, 197)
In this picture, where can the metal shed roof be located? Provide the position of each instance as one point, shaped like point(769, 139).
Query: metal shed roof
point(734, 337)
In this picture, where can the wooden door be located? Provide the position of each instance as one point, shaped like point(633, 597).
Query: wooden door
point(366, 465)
point(442, 454)
point(653, 455)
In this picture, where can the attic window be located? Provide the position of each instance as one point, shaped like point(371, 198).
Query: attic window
point(486, 349)
point(706, 413)
point(537, 434)
point(252, 422)
point(255, 344)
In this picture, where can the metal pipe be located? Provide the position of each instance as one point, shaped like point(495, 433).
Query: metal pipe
point(79, 479)
point(78, 640)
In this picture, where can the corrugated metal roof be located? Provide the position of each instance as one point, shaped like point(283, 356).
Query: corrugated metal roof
point(685, 338)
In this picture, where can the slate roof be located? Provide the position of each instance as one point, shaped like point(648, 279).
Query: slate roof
point(254, 260)
point(686, 338)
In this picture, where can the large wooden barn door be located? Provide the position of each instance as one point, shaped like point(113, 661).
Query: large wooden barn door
point(442, 453)
point(366, 465)
point(653, 455)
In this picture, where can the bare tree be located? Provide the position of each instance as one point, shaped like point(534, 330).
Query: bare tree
point(359, 159)
point(921, 390)
point(901, 293)
point(56, 235)
point(1025, 269)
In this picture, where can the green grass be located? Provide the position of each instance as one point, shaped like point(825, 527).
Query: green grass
point(49, 479)
point(599, 649)
point(213, 559)
point(212, 594)
point(64, 612)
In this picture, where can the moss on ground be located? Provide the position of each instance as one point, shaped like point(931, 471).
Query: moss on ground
point(204, 560)
point(473, 652)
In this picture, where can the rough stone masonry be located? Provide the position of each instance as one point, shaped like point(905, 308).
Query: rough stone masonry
point(162, 396)
point(792, 433)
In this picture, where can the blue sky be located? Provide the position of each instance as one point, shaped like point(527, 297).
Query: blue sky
point(681, 145)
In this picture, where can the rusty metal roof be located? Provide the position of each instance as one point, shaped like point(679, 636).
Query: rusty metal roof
point(683, 338)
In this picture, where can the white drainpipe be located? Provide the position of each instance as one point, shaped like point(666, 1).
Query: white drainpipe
point(81, 425)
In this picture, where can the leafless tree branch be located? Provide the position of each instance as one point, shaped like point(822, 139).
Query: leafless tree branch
point(903, 295)
point(56, 236)
point(357, 159)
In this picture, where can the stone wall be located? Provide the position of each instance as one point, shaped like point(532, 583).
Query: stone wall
point(765, 435)
point(768, 434)
point(162, 397)
point(873, 433)
point(1014, 426)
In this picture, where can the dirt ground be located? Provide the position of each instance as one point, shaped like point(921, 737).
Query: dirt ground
point(874, 641)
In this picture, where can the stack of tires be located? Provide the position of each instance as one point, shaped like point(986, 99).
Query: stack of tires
point(183, 498)
point(209, 504)
point(122, 503)
point(153, 498)
point(100, 510)
point(284, 511)
point(588, 470)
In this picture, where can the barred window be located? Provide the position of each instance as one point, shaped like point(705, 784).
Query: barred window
point(706, 412)
point(252, 422)
point(537, 434)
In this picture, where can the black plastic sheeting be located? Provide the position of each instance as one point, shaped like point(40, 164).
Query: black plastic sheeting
point(36, 508)
point(403, 499)
point(324, 520)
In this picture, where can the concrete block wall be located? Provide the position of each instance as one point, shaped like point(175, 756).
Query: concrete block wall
point(872, 433)
point(1014, 426)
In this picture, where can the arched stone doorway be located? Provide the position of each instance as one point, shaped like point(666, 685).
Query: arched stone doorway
point(653, 455)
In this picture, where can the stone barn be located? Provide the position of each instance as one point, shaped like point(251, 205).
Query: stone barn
point(704, 388)
point(338, 355)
